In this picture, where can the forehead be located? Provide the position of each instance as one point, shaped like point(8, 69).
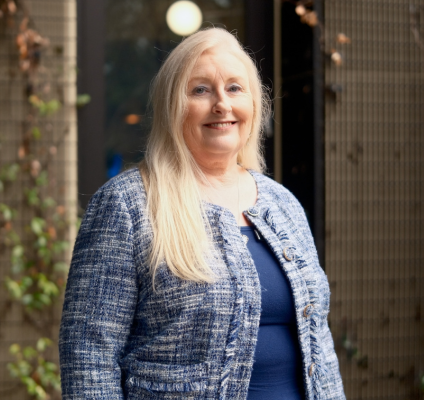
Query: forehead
point(219, 61)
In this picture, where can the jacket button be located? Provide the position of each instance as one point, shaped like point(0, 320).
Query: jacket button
point(311, 369)
point(253, 211)
point(307, 311)
point(288, 253)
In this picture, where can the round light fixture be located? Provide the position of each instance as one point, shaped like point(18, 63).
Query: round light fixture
point(184, 17)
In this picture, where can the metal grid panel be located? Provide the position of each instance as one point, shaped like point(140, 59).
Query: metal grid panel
point(57, 21)
point(374, 174)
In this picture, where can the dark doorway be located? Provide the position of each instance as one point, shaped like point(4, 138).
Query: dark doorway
point(302, 118)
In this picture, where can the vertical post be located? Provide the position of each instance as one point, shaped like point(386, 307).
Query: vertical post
point(91, 153)
point(70, 93)
point(278, 117)
point(319, 167)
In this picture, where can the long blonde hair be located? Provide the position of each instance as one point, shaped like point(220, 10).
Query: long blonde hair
point(181, 236)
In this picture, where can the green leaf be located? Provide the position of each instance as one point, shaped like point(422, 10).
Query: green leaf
point(14, 288)
point(29, 353)
point(17, 259)
point(41, 300)
point(49, 107)
point(40, 393)
point(10, 172)
point(17, 251)
point(42, 179)
point(36, 133)
point(6, 211)
point(45, 254)
point(30, 384)
point(41, 242)
point(32, 196)
point(43, 343)
point(1, 185)
point(59, 246)
point(27, 299)
point(14, 349)
point(49, 366)
point(61, 267)
point(26, 282)
point(13, 370)
point(48, 202)
point(17, 267)
point(50, 289)
point(13, 237)
point(37, 225)
point(83, 99)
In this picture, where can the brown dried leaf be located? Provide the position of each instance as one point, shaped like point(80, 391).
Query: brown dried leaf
point(300, 10)
point(343, 39)
point(336, 57)
point(52, 232)
point(61, 210)
point(24, 65)
point(21, 152)
point(23, 51)
point(11, 7)
point(310, 18)
point(8, 226)
point(20, 40)
point(24, 24)
point(35, 168)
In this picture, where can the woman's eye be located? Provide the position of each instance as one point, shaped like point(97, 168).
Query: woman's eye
point(235, 88)
point(199, 90)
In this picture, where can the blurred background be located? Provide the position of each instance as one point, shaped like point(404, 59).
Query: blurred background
point(346, 137)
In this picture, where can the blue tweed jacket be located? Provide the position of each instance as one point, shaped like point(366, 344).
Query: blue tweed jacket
point(120, 339)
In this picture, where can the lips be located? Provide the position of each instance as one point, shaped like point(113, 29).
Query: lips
point(220, 124)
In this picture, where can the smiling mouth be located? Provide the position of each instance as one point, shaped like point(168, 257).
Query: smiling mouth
point(220, 124)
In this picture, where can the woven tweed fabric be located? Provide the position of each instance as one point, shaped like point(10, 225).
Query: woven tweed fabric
point(120, 339)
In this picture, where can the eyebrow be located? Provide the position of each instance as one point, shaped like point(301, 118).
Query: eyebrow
point(233, 78)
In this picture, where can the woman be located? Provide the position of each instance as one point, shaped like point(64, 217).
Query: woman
point(196, 269)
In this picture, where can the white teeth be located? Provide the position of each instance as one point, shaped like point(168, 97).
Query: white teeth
point(221, 125)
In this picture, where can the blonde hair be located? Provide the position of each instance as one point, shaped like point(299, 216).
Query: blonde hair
point(181, 236)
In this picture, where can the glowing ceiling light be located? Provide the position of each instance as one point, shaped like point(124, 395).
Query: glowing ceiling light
point(184, 17)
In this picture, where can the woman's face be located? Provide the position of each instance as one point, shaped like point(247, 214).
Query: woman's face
point(219, 107)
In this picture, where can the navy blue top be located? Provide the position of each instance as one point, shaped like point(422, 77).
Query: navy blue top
point(277, 370)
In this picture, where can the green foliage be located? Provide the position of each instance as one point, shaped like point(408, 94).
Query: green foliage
point(83, 99)
point(36, 133)
point(33, 370)
point(353, 353)
point(8, 213)
point(9, 172)
point(44, 108)
point(34, 236)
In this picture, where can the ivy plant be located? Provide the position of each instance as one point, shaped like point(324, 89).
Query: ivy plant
point(34, 221)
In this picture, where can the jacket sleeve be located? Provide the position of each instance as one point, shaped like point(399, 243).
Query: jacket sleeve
point(100, 300)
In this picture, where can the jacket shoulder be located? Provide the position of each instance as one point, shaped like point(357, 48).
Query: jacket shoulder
point(125, 183)
point(274, 191)
point(128, 187)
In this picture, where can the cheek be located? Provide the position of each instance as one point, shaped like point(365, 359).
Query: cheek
point(247, 114)
point(193, 115)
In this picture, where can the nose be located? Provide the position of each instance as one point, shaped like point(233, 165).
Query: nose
point(222, 105)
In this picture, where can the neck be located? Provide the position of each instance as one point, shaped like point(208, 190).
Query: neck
point(221, 174)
